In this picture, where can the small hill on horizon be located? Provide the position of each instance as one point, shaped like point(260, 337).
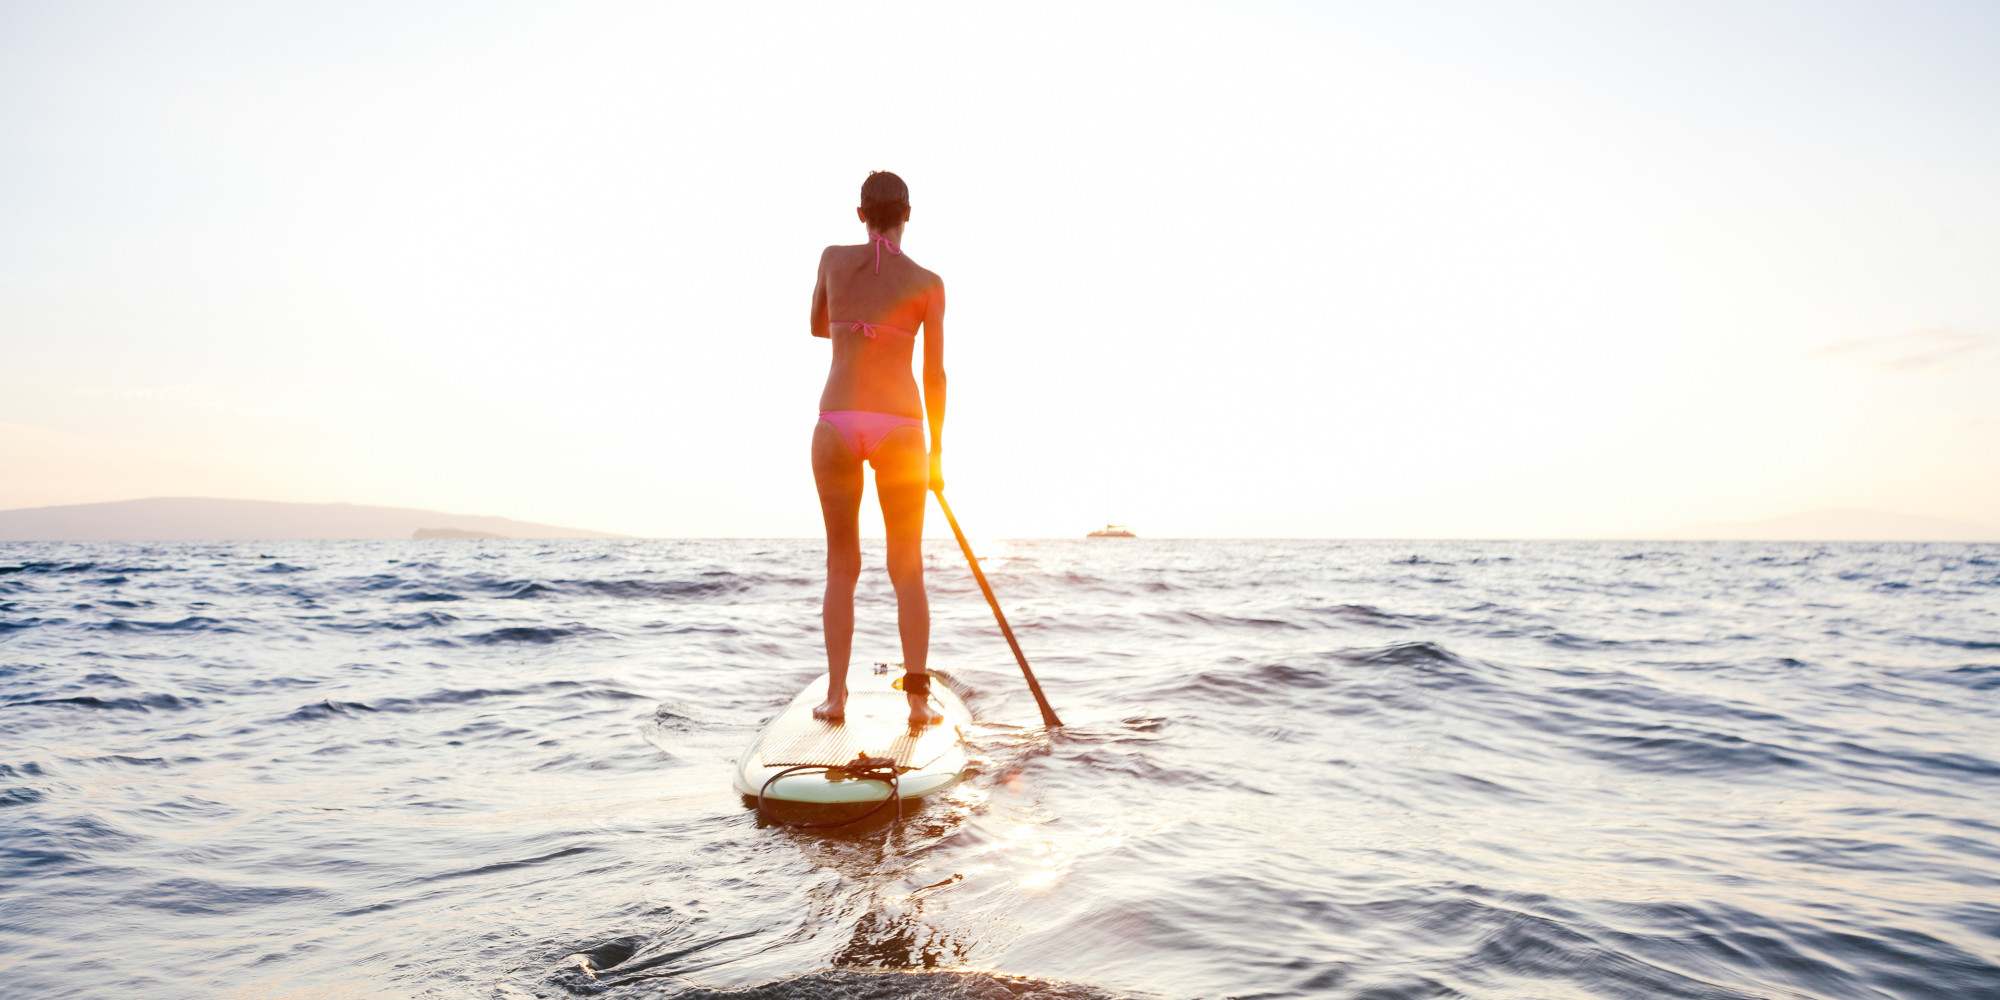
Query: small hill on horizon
point(1837, 526)
point(208, 519)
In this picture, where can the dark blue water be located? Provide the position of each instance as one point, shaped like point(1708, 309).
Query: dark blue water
point(1379, 769)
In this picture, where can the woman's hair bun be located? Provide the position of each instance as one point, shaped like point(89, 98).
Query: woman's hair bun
point(885, 199)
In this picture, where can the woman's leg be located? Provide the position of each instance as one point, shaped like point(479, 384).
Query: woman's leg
point(837, 472)
point(902, 482)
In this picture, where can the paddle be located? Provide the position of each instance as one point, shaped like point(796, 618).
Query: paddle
point(1048, 714)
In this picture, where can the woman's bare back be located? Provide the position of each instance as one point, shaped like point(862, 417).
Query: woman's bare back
point(871, 362)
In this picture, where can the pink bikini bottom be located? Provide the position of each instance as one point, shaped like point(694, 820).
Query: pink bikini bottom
point(863, 430)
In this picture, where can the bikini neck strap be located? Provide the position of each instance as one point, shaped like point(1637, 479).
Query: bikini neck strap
point(881, 241)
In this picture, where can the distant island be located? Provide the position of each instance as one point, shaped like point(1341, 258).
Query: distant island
point(422, 533)
point(1837, 526)
point(204, 519)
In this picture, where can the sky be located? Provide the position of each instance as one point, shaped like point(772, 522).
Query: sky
point(1277, 269)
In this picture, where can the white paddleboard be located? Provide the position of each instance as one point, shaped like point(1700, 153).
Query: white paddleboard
point(877, 725)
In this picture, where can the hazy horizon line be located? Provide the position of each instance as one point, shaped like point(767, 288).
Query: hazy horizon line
point(1824, 525)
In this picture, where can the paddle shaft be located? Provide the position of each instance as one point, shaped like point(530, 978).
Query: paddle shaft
point(1048, 714)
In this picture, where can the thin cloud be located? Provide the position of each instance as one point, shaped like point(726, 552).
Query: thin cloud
point(188, 395)
point(1911, 350)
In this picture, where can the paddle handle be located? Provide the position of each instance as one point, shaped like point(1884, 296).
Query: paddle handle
point(1048, 714)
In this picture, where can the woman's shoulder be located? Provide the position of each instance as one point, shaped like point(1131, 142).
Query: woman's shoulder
point(839, 251)
point(843, 250)
point(924, 275)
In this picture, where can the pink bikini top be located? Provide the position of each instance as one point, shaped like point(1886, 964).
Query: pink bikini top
point(868, 329)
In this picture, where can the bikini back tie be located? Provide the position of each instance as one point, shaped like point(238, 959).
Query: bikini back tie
point(868, 329)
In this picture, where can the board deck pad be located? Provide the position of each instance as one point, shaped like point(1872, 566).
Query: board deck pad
point(793, 742)
point(877, 725)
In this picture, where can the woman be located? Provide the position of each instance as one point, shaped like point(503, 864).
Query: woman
point(872, 301)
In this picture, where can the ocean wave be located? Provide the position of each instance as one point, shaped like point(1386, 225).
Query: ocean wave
point(400, 623)
point(57, 568)
point(528, 590)
point(427, 595)
point(1978, 677)
point(1672, 750)
point(201, 897)
point(501, 866)
point(1658, 703)
point(532, 634)
point(1214, 619)
point(1931, 762)
point(328, 709)
point(1362, 614)
point(193, 623)
point(120, 760)
point(726, 583)
point(19, 796)
point(1423, 659)
point(633, 959)
point(142, 703)
point(1958, 643)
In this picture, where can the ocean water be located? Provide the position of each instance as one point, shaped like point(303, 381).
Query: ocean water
point(1291, 769)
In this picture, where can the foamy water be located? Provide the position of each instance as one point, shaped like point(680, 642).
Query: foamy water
point(1379, 769)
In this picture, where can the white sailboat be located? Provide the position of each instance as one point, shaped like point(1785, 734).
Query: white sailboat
point(1110, 530)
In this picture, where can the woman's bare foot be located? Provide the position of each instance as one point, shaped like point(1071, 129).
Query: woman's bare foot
point(833, 709)
point(921, 714)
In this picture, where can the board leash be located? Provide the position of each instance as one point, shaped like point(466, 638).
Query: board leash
point(862, 767)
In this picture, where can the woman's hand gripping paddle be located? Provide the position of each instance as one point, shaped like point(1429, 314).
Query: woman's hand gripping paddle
point(1048, 714)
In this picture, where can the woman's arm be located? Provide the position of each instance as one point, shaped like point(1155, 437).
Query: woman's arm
point(821, 321)
point(934, 380)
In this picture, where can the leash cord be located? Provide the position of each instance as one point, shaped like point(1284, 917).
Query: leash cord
point(867, 769)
